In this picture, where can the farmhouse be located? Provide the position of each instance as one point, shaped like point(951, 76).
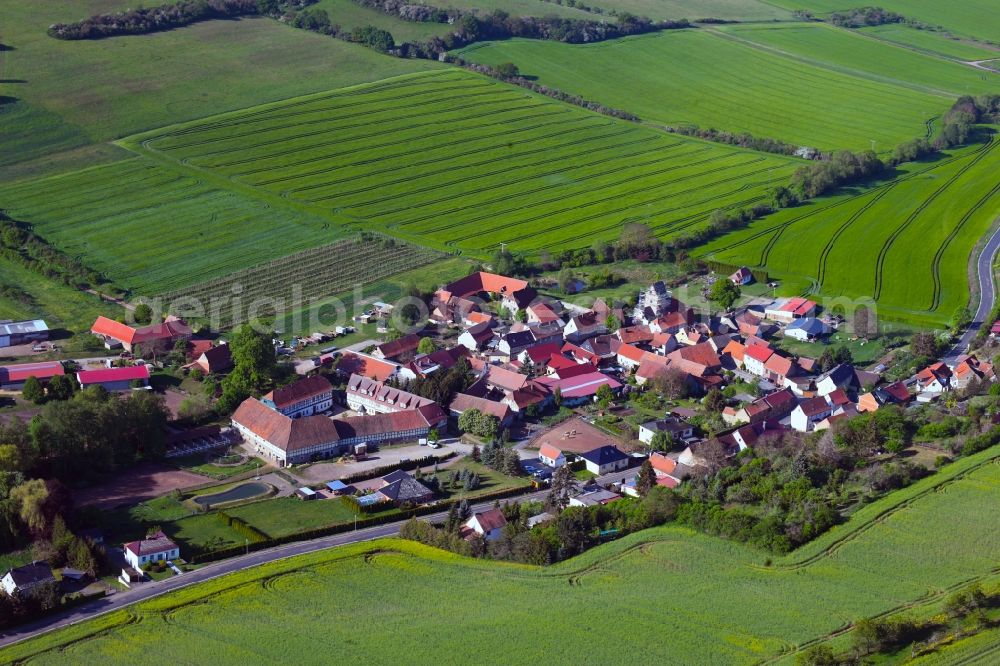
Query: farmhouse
point(155, 337)
point(583, 326)
point(514, 294)
point(604, 460)
point(542, 313)
point(301, 398)
point(115, 379)
point(400, 350)
point(476, 337)
point(156, 547)
point(287, 441)
point(806, 329)
point(809, 412)
point(788, 309)
point(12, 377)
point(677, 429)
point(214, 360)
point(463, 402)
point(934, 378)
point(551, 456)
point(970, 368)
point(353, 363)
point(14, 333)
point(25, 580)
point(371, 397)
point(487, 524)
point(742, 276)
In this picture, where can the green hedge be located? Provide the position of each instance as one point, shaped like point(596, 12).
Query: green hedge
point(406, 465)
point(339, 528)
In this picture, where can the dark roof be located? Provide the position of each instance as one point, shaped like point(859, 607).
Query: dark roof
point(299, 390)
point(399, 346)
point(842, 375)
point(218, 358)
point(519, 339)
point(604, 455)
point(31, 574)
point(405, 488)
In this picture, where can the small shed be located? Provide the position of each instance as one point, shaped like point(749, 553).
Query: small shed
point(338, 487)
point(305, 493)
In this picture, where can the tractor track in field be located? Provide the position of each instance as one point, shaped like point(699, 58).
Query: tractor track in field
point(326, 167)
point(979, 155)
point(593, 201)
point(326, 130)
point(543, 188)
point(242, 118)
point(562, 129)
point(439, 186)
point(367, 148)
point(574, 144)
point(936, 263)
point(978, 657)
point(242, 121)
point(824, 256)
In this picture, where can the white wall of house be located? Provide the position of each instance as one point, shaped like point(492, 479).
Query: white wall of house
point(138, 561)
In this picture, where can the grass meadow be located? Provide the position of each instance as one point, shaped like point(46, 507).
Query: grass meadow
point(73, 93)
point(463, 163)
point(701, 77)
point(905, 241)
point(718, 602)
point(968, 18)
point(931, 42)
point(856, 54)
point(731, 10)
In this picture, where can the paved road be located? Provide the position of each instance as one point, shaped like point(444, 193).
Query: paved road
point(987, 297)
point(154, 589)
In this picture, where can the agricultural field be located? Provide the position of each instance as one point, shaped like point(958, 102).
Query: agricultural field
point(931, 42)
point(299, 279)
point(519, 8)
point(904, 242)
point(731, 10)
point(858, 55)
point(73, 93)
point(106, 214)
point(671, 581)
point(349, 15)
point(463, 163)
point(968, 18)
point(703, 78)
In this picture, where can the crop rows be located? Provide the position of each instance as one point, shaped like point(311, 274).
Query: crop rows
point(905, 242)
point(294, 281)
point(458, 161)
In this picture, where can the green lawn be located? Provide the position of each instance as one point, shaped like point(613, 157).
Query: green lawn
point(931, 42)
point(717, 600)
point(197, 464)
point(701, 77)
point(858, 55)
point(904, 243)
point(970, 18)
point(287, 515)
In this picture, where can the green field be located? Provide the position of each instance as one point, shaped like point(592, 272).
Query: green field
point(700, 77)
point(905, 242)
point(518, 8)
point(453, 152)
point(349, 15)
point(72, 93)
point(717, 601)
point(931, 42)
point(863, 57)
point(733, 10)
point(971, 18)
point(152, 229)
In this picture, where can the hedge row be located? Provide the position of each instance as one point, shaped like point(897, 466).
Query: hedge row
point(406, 465)
point(340, 528)
point(242, 527)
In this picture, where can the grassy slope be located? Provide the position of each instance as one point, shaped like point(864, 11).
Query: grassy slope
point(973, 18)
point(856, 54)
point(737, 10)
point(931, 42)
point(925, 204)
point(80, 92)
point(518, 7)
point(698, 77)
point(349, 15)
point(712, 598)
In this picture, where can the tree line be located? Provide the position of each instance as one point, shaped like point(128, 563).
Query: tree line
point(19, 243)
point(154, 19)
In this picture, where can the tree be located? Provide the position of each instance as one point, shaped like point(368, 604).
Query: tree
point(567, 281)
point(521, 315)
point(61, 387)
point(33, 390)
point(715, 401)
point(923, 345)
point(507, 70)
point(143, 314)
point(426, 346)
point(562, 482)
point(662, 441)
point(725, 293)
point(861, 322)
point(611, 323)
point(11, 459)
point(604, 395)
point(557, 398)
point(30, 498)
point(646, 479)
point(671, 382)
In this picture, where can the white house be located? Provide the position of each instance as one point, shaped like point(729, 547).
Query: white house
point(27, 578)
point(155, 548)
point(678, 429)
point(605, 460)
point(304, 397)
point(754, 358)
point(486, 524)
point(551, 456)
point(806, 329)
point(809, 412)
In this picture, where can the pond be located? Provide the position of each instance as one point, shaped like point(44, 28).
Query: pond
point(240, 492)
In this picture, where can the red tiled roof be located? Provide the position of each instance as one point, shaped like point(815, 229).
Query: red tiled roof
point(779, 365)
point(814, 406)
point(399, 346)
point(505, 379)
point(490, 520)
point(352, 363)
point(549, 451)
point(631, 352)
point(123, 374)
point(758, 353)
point(581, 354)
point(735, 349)
point(153, 544)
point(541, 353)
point(463, 402)
point(662, 463)
point(583, 386)
point(18, 373)
point(898, 391)
point(632, 334)
point(299, 390)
